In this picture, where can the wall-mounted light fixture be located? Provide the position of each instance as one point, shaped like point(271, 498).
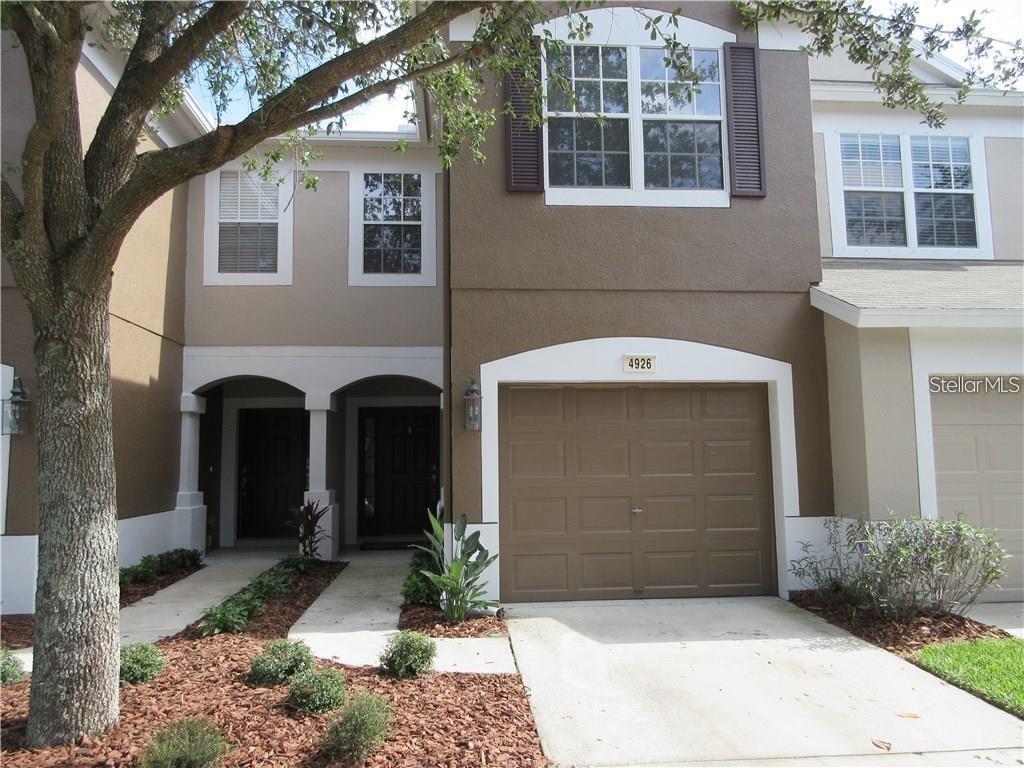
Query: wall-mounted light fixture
point(472, 398)
point(15, 416)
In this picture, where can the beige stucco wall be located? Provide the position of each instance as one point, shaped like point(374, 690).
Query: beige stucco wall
point(146, 329)
point(1005, 164)
point(319, 308)
point(871, 404)
point(821, 193)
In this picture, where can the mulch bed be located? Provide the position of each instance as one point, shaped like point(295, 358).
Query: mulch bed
point(16, 629)
point(439, 719)
point(431, 621)
point(902, 639)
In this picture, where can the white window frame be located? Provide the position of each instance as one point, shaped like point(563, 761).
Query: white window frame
point(624, 27)
point(427, 276)
point(211, 234)
point(905, 126)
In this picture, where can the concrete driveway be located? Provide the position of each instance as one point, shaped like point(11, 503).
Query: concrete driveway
point(652, 682)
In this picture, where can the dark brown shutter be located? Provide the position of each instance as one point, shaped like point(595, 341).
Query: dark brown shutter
point(746, 129)
point(524, 150)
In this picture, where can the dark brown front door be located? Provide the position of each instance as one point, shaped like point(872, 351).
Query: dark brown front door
point(398, 469)
point(272, 449)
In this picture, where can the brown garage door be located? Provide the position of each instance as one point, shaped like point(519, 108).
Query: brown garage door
point(635, 491)
point(979, 471)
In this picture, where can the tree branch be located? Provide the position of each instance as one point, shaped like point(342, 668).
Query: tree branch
point(152, 65)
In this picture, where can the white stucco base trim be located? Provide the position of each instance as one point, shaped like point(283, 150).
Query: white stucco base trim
point(137, 537)
point(953, 351)
point(601, 361)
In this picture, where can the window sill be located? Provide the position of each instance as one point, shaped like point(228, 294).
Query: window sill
point(247, 278)
point(424, 280)
point(644, 198)
point(937, 254)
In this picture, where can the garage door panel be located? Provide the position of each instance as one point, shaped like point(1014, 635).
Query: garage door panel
point(692, 459)
point(537, 458)
point(669, 458)
point(601, 406)
point(605, 514)
point(979, 471)
point(535, 407)
point(668, 514)
point(602, 458)
point(606, 570)
point(660, 405)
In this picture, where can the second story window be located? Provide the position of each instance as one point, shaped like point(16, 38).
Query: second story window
point(943, 196)
point(247, 224)
point(873, 190)
point(392, 230)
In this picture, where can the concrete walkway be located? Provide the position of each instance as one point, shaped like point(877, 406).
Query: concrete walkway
point(352, 619)
point(173, 608)
point(1006, 616)
point(679, 682)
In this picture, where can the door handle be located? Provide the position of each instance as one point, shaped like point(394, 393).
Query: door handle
point(637, 510)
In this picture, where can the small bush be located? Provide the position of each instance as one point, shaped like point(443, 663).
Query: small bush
point(364, 726)
point(279, 661)
point(298, 564)
point(140, 663)
point(272, 582)
point(11, 670)
point(317, 690)
point(229, 617)
point(420, 590)
point(179, 559)
point(903, 567)
point(408, 654)
point(195, 743)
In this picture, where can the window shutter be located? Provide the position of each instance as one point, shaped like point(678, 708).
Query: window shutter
point(524, 152)
point(746, 128)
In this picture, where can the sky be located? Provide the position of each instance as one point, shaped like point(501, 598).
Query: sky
point(1004, 19)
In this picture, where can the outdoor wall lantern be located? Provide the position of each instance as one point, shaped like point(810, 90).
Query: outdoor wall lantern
point(472, 398)
point(15, 417)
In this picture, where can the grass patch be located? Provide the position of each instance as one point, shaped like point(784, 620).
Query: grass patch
point(992, 669)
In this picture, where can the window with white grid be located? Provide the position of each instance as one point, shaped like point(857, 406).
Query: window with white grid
point(943, 191)
point(872, 173)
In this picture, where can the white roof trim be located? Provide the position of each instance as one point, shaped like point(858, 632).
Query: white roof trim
point(873, 317)
point(830, 90)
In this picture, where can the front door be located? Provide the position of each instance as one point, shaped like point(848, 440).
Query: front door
point(399, 452)
point(273, 444)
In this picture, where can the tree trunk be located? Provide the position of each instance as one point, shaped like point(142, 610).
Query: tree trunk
point(76, 658)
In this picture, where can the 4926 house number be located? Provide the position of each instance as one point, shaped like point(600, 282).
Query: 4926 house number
point(639, 363)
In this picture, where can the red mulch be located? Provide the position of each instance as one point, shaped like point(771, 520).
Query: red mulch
point(903, 639)
point(431, 621)
point(439, 719)
point(16, 629)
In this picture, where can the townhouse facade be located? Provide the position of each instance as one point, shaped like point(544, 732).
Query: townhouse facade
point(694, 325)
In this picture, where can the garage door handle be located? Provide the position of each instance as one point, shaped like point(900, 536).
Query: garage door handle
point(637, 510)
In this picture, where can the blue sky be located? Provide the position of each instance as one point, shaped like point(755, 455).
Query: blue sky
point(1005, 19)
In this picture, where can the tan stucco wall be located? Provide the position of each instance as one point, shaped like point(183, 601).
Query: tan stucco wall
point(147, 330)
point(1005, 165)
point(821, 192)
point(319, 308)
point(871, 408)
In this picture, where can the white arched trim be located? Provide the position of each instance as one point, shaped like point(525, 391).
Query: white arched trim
point(316, 371)
point(601, 360)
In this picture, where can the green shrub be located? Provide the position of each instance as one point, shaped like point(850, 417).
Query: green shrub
point(279, 661)
point(11, 670)
point(418, 589)
point(272, 582)
point(228, 617)
point(140, 663)
point(179, 559)
point(195, 743)
point(408, 654)
point(317, 690)
point(903, 567)
point(363, 726)
point(298, 564)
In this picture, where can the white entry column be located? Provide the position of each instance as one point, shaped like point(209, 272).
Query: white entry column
point(189, 510)
point(319, 405)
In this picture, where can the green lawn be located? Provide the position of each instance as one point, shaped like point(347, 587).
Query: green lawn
point(992, 669)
